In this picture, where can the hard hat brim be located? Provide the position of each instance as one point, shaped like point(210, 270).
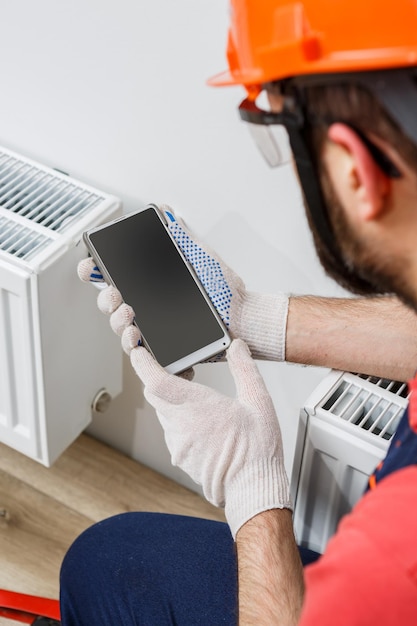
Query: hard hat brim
point(228, 79)
point(362, 61)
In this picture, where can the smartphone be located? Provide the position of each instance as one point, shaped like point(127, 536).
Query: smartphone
point(177, 320)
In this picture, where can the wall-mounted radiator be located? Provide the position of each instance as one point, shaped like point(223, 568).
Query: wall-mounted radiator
point(56, 352)
point(344, 431)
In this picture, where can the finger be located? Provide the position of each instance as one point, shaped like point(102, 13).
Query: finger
point(122, 318)
point(148, 369)
point(175, 218)
point(109, 300)
point(131, 338)
point(191, 245)
point(206, 265)
point(160, 386)
point(88, 271)
point(250, 385)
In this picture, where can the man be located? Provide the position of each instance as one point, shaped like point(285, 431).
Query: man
point(341, 78)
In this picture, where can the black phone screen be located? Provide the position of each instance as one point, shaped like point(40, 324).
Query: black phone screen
point(171, 312)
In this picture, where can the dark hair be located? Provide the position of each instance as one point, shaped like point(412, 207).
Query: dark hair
point(358, 107)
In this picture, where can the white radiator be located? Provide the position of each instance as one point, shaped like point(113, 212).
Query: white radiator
point(344, 432)
point(56, 352)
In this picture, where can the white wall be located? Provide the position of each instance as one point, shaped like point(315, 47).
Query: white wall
point(114, 93)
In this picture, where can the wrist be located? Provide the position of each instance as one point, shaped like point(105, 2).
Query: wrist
point(258, 487)
point(264, 324)
point(272, 521)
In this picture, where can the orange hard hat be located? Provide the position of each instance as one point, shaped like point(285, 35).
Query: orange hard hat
point(275, 39)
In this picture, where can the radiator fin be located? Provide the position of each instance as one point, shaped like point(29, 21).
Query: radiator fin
point(20, 241)
point(394, 386)
point(365, 408)
point(42, 197)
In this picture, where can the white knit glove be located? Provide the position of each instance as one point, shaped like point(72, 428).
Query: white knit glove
point(259, 319)
point(232, 447)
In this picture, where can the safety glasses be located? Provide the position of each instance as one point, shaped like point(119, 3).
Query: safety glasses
point(263, 126)
point(267, 130)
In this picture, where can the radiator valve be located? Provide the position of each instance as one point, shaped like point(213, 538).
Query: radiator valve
point(101, 401)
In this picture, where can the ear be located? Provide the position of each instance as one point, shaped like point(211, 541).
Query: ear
point(368, 184)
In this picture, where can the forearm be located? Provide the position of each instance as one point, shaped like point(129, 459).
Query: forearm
point(376, 336)
point(270, 572)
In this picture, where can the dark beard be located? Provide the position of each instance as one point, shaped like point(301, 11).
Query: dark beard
point(384, 274)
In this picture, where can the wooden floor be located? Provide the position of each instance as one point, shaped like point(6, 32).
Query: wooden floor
point(43, 510)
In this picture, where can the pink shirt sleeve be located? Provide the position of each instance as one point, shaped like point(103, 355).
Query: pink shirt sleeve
point(368, 574)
